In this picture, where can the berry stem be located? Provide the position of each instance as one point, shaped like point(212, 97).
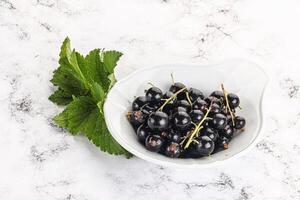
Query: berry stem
point(197, 129)
point(195, 141)
point(227, 103)
point(173, 80)
point(171, 98)
point(188, 98)
point(182, 142)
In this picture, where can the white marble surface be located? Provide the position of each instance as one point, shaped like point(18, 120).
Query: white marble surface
point(40, 161)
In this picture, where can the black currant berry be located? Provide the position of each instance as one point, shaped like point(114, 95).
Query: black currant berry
point(179, 109)
point(173, 150)
point(171, 104)
point(138, 103)
point(233, 100)
point(215, 109)
point(222, 142)
point(196, 116)
point(195, 94)
point(205, 146)
point(158, 121)
point(227, 132)
point(207, 122)
point(219, 121)
point(154, 94)
point(187, 132)
point(181, 120)
point(229, 120)
point(147, 109)
point(218, 94)
point(209, 132)
point(176, 87)
point(209, 100)
point(199, 104)
point(136, 118)
point(190, 153)
point(168, 95)
point(157, 105)
point(154, 143)
point(164, 135)
point(175, 136)
point(239, 122)
point(142, 133)
point(183, 103)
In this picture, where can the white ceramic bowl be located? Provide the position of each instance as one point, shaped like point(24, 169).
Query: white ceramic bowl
point(241, 77)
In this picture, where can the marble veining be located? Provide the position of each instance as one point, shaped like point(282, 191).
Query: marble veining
point(42, 161)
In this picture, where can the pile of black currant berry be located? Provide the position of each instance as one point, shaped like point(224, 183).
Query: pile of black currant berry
point(183, 123)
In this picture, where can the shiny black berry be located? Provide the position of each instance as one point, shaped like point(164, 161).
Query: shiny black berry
point(195, 94)
point(157, 105)
point(181, 120)
point(164, 135)
point(147, 109)
point(173, 150)
point(175, 136)
point(207, 122)
point(209, 100)
point(219, 121)
point(138, 103)
point(154, 143)
point(227, 132)
point(136, 118)
point(190, 153)
point(239, 122)
point(176, 87)
point(171, 104)
point(199, 104)
point(222, 142)
point(179, 109)
point(229, 120)
point(169, 95)
point(187, 132)
point(158, 121)
point(218, 94)
point(233, 100)
point(196, 116)
point(154, 94)
point(215, 109)
point(183, 103)
point(142, 133)
point(205, 146)
point(209, 132)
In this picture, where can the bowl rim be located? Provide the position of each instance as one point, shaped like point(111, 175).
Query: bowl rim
point(242, 152)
